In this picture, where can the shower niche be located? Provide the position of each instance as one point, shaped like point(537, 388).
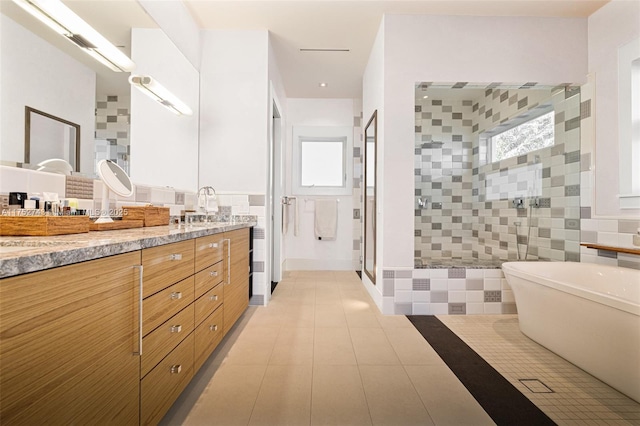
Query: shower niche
point(497, 173)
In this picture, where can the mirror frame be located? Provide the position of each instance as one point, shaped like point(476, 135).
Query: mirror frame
point(370, 216)
point(27, 134)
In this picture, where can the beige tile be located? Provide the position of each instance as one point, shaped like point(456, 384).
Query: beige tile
point(338, 397)
point(330, 316)
point(333, 346)
point(394, 321)
point(411, 347)
point(391, 397)
point(354, 306)
point(294, 346)
point(299, 316)
point(284, 397)
point(328, 295)
point(253, 346)
point(229, 398)
point(447, 400)
point(362, 319)
point(372, 347)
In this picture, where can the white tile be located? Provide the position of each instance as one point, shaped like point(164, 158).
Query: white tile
point(475, 273)
point(403, 284)
point(507, 296)
point(608, 238)
point(607, 225)
point(439, 284)
point(439, 309)
point(421, 308)
point(492, 284)
point(456, 284)
point(474, 296)
point(421, 296)
point(504, 284)
point(475, 308)
point(421, 273)
point(439, 273)
point(457, 297)
point(493, 273)
point(493, 308)
point(403, 296)
point(589, 224)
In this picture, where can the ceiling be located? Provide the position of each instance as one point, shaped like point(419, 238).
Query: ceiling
point(294, 25)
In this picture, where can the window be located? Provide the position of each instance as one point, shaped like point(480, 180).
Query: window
point(526, 134)
point(629, 124)
point(320, 165)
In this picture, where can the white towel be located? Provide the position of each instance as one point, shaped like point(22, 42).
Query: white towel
point(326, 222)
point(296, 222)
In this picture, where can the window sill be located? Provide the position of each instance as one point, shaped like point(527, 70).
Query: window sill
point(627, 250)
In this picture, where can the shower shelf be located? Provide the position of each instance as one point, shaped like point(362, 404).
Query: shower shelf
point(611, 248)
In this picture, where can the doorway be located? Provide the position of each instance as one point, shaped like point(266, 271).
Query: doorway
point(275, 200)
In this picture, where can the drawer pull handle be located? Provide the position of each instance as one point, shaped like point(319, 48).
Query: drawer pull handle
point(176, 369)
point(175, 256)
point(176, 295)
point(213, 245)
point(213, 327)
point(213, 273)
point(214, 297)
point(176, 328)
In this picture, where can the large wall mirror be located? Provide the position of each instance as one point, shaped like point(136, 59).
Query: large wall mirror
point(47, 137)
point(370, 152)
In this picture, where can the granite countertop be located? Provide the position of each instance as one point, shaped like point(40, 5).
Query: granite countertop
point(21, 255)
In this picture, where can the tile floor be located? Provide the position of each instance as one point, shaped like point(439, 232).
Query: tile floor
point(577, 398)
point(322, 354)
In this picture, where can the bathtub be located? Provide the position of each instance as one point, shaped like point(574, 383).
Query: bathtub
point(589, 314)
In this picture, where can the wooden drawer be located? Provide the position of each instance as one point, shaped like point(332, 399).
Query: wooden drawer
point(165, 304)
point(208, 335)
point(157, 344)
point(208, 303)
point(160, 388)
point(236, 300)
point(166, 265)
point(209, 278)
point(209, 250)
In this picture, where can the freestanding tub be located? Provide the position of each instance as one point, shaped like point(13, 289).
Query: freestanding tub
point(589, 314)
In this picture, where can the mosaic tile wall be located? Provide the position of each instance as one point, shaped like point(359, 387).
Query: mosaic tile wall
point(112, 130)
point(447, 291)
point(469, 212)
point(357, 186)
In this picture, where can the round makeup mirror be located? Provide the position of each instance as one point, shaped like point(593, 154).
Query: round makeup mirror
point(116, 180)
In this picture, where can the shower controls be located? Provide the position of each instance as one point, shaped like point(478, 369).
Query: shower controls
point(518, 203)
point(423, 202)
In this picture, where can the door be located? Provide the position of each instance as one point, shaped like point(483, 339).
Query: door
point(275, 201)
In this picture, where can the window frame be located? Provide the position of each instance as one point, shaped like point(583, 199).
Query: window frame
point(301, 134)
point(628, 134)
point(528, 116)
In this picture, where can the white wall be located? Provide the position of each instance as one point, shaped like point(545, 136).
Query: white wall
point(610, 27)
point(372, 100)
point(450, 49)
point(164, 146)
point(234, 102)
point(304, 251)
point(36, 74)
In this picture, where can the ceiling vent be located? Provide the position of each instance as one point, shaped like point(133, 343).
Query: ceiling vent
point(324, 50)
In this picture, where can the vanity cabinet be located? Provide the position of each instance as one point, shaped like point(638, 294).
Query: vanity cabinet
point(236, 287)
point(68, 343)
point(76, 349)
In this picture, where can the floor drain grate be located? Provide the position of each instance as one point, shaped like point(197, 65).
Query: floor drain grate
point(536, 386)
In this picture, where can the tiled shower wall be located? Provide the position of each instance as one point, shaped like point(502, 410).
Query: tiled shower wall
point(112, 130)
point(468, 212)
point(357, 185)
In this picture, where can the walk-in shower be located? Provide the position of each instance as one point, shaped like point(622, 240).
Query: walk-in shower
point(497, 173)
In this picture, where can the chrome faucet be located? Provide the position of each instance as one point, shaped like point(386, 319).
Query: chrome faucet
point(203, 198)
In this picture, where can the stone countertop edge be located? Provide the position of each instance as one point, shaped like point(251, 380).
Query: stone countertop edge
point(98, 244)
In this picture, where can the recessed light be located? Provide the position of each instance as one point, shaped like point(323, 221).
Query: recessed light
point(425, 96)
point(323, 84)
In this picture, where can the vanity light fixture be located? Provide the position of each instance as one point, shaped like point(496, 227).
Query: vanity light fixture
point(157, 92)
point(65, 22)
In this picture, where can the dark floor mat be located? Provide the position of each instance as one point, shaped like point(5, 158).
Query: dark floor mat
point(500, 399)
